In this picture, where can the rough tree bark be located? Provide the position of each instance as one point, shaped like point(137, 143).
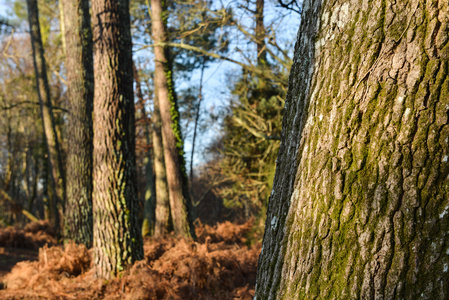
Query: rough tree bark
point(80, 84)
point(56, 172)
point(117, 237)
point(359, 208)
point(171, 132)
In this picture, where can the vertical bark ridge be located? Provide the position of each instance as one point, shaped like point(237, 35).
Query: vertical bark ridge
point(368, 217)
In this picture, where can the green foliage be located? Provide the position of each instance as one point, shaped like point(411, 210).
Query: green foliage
point(20, 9)
point(252, 129)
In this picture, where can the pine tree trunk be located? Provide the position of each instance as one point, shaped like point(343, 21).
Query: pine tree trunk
point(150, 190)
point(162, 199)
point(79, 65)
point(359, 207)
point(56, 172)
point(171, 133)
point(117, 237)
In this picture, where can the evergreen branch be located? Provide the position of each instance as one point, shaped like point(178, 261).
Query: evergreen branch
point(254, 131)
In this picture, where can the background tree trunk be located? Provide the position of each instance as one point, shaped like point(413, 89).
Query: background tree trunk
point(359, 206)
point(62, 21)
point(150, 190)
point(117, 236)
point(80, 81)
point(260, 33)
point(162, 199)
point(171, 132)
point(195, 125)
point(56, 172)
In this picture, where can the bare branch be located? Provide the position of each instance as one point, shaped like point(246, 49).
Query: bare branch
point(251, 68)
point(30, 102)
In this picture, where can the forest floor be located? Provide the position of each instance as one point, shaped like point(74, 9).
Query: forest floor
point(219, 265)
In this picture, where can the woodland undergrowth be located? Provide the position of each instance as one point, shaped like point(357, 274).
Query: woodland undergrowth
point(219, 265)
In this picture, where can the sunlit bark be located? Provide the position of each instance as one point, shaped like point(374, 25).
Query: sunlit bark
point(171, 132)
point(359, 207)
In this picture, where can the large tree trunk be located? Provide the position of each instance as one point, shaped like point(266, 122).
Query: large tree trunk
point(117, 236)
point(171, 132)
point(56, 173)
point(80, 81)
point(359, 208)
point(150, 190)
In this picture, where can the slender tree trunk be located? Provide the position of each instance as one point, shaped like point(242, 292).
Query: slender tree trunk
point(79, 65)
point(117, 237)
point(62, 21)
point(150, 190)
point(195, 128)
point(171, 133)
point(35, 179)
point(26, 172)
point(359, 207)
point(56, 174)
point(162, 199)
point(162, 225)
point(260, 33)
point(8, 173)
point(33, 175)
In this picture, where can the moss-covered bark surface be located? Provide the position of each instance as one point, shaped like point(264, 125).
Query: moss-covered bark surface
point(360, 208)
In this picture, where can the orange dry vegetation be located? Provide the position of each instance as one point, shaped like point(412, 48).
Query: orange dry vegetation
point(217, 266)
point(33, 236)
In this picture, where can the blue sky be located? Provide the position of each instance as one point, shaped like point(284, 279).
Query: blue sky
point(2, 8)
